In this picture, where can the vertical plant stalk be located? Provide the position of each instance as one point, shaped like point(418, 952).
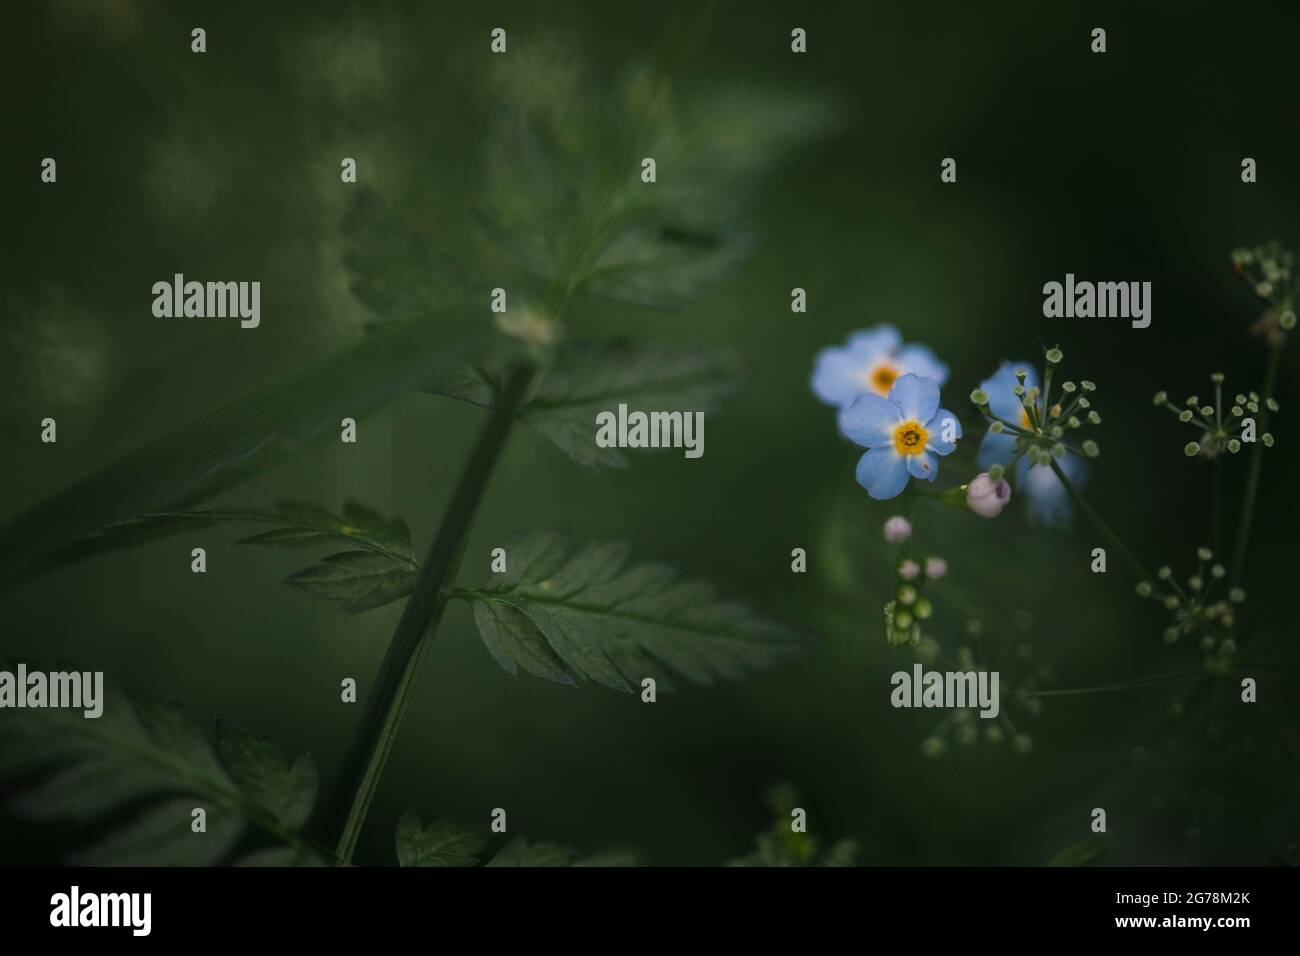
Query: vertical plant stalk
point(1111, 537)
point(1256, 466)
point(1217, 529)
point(401, 667)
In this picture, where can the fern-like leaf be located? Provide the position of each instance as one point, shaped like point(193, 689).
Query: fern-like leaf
point(558, 614)
point(141, 768)
point(587, 379)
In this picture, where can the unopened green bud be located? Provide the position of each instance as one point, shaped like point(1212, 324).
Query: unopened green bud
point(1090, 448)
point(1191, 448)
point(1160, 399)
point(1054, 356)
point(979, 397)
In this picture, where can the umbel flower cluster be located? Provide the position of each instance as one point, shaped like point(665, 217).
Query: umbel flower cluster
point(1195, 605)
point(1220, 427)
point(1038, 447)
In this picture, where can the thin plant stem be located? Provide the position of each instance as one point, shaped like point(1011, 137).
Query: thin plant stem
point(1218, 504)
point(1256, 466)
point(401, 666)
point(1111, 537)
point(1135, 684)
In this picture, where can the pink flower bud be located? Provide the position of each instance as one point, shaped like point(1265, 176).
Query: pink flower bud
point(935, 568)
point(897, 529)
point(987, 497)
point(908, 570)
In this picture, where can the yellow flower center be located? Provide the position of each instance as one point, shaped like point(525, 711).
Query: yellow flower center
point(910, 438)
point(880, 377)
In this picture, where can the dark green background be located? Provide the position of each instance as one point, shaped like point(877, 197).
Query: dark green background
point(1122, 166)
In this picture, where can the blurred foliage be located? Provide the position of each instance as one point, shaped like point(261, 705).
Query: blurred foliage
point(860, 220)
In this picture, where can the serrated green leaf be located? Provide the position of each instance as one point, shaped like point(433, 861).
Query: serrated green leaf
point(230, 445)
point(302, 524)
point(612, 622)
point(515, 642)
point(282, 856)
point(286, 793)
point(565, 194)
point(147, 758)
point(587, 379)
point(162, 835)
point(359, 579)
point(390, 266)
point(519, 852)
point(441, 843)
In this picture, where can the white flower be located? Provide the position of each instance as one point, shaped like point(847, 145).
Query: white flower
point(897, 529)
point(987, 497)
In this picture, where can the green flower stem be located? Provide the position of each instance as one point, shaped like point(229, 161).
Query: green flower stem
point(1136, 683)
point(1218, 505)
point(401, 667)
point(1256, 466)
point(1111, 537)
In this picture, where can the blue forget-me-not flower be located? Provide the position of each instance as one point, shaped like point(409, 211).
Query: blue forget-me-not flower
point(903, 433)
point(871, 361)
